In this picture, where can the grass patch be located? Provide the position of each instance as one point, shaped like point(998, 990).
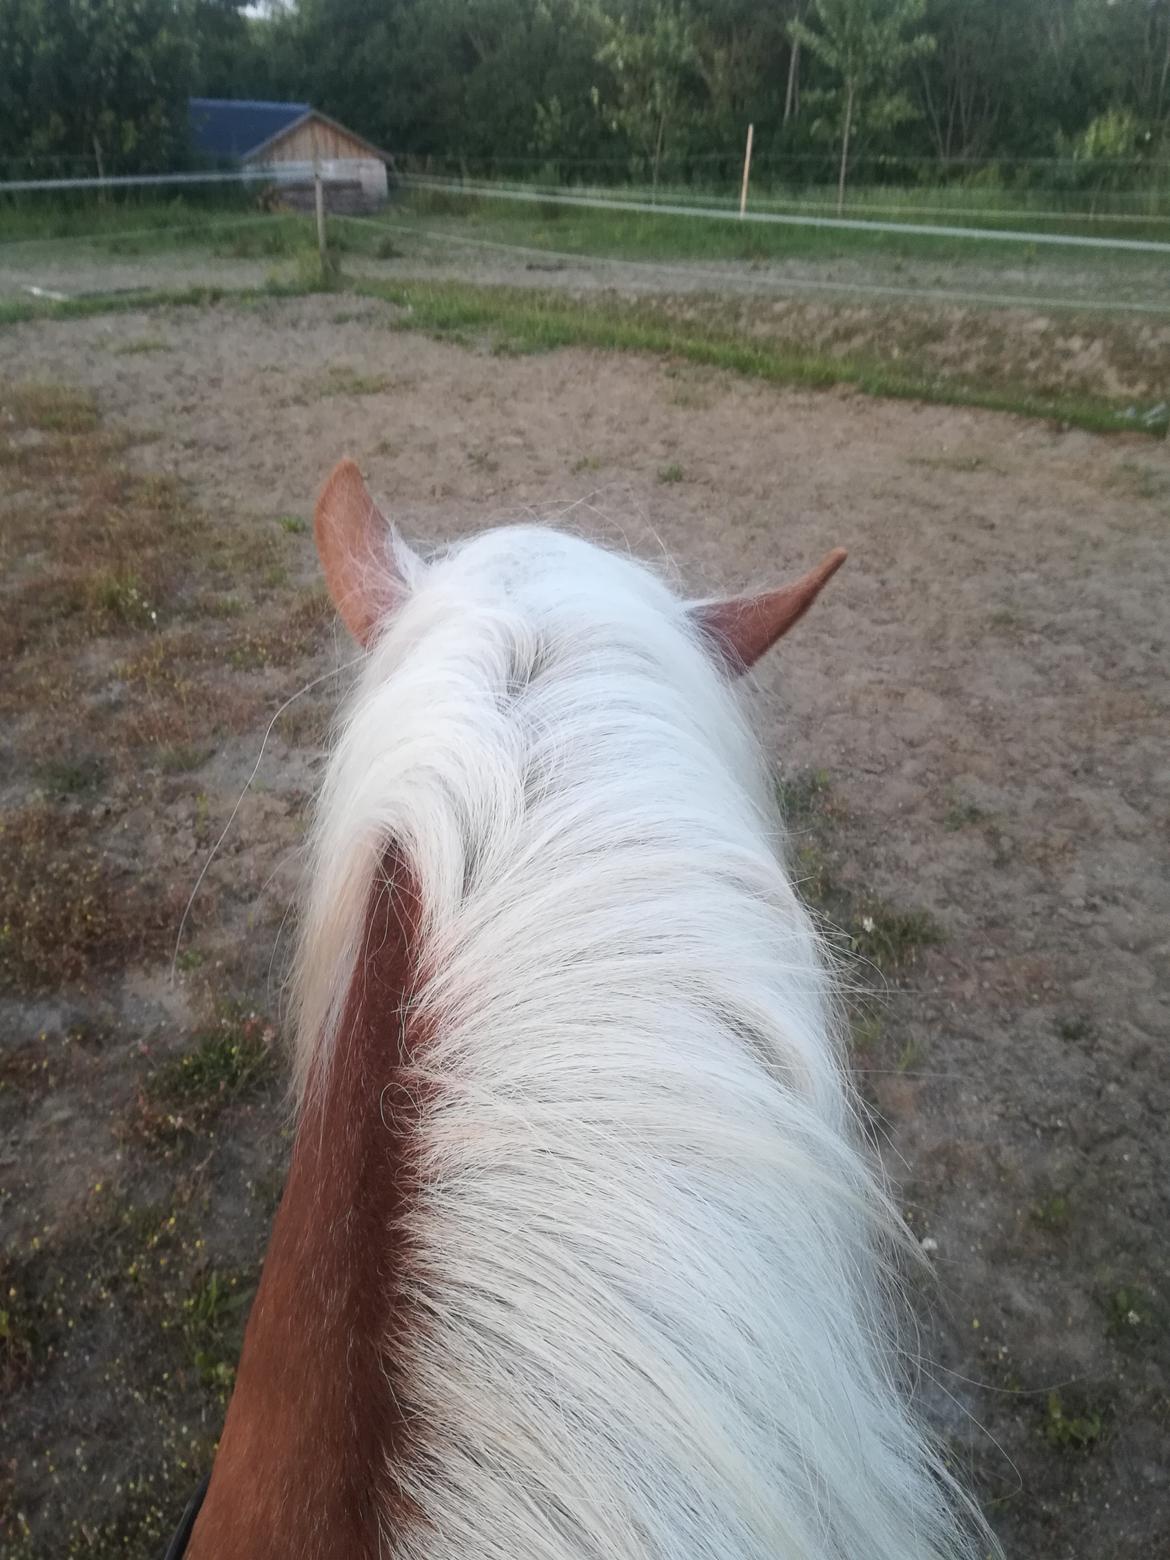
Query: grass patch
point(143, 345)
point(186, 1095)
point(119, 595)
point(342, 380)
point(665, 235)
point(804, 797)
point(671, 473)
point(1051, 1214)
point(1067, 1430)
point(294, 525)
point(213, 1327)
point(885, 936)
point(181, 760)
point(1129, 1313)
point(891, 938)
point(49, 408)
point(79, 776)
point(518, 320)
point(66, 912)
point(1077, 1028)
point(961, 815)
point(1141, 481)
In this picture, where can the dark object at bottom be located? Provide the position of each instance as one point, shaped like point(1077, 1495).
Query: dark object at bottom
point(177, 1547)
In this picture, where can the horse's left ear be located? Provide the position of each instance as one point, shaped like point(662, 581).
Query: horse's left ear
point(743, 628)
point(357, 547)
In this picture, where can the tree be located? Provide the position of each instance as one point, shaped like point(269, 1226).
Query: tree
point(967, 80)
point(652, 57)
point(864, 42)
point(107, 78)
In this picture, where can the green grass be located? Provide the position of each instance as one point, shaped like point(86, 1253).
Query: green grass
point(184, 1096)
point(82, 775)
point(1051, 1214)
point(212, 1325)
point(143, 345)
point(526, 321)
point(50, 408)
point(645, 235)
point(1068, 1431)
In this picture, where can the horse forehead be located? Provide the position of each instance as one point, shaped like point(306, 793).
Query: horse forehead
point(536, 563)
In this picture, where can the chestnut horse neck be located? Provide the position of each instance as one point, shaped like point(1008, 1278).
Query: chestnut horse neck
point(311, 1426)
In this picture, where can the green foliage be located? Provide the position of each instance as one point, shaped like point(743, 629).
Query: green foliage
point(603, 91)
point(1066, 1431)
point(864, 44)
point(100, 79)
point(652, 54)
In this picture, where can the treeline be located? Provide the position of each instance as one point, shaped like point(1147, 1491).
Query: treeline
point(592, 90)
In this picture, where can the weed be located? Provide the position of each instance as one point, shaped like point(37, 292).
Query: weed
point(1129, 1311)
point(50, 408)
point(180, 760)
point(65, 912)
point(213, 1327)
point(909, 1056)
point(803, 796)
point(961, 815)
point(890, 938)
point(671, 473)
point(295, 525)
point(1051, 1214)
point(1141, 480)
point(80, 776)
point(224, 1065)
point(586, 463)
point(865, 1033)
point(120, 595)
point(347, 381)
point(18, 1338)
point(1071, 1432)
point(814, 877)
point(1077, 1027)
point(143, 344)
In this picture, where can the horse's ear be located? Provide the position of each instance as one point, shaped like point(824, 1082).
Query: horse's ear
point(357, 551)
point(743, 628)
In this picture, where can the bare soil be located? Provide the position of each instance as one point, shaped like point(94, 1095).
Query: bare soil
point(972, 726)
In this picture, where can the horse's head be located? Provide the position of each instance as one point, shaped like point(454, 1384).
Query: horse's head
point(370, 573)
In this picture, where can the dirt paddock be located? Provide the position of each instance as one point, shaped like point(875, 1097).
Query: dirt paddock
point(971, 728)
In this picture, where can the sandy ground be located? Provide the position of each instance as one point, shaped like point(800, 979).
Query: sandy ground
point(984, 687)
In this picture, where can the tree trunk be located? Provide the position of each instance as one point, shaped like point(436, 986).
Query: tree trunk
point(101, 167)
point(792, 94)
point(658, 152)
point(845, 150)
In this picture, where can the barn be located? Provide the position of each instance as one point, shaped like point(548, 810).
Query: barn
point(262, 136)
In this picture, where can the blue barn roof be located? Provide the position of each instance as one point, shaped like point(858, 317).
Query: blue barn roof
point(233, 127)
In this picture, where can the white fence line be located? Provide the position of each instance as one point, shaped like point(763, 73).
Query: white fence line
point(269, 173)
point(783, 219)
point(775, 285)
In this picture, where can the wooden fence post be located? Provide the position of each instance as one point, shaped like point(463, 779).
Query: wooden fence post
point(747, 168)
point(319, 197)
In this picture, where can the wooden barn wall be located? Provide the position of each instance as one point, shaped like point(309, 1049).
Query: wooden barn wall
point(304, 142)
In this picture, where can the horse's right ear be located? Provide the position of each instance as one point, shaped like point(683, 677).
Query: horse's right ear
point(357, 551)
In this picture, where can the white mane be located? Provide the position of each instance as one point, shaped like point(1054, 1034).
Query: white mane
point(648, 1248)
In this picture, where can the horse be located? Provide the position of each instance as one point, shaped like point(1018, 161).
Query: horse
point(583, 1251)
